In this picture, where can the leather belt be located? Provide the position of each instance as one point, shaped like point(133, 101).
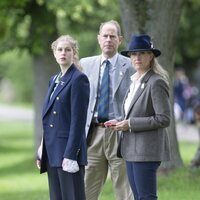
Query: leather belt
point(99, 124)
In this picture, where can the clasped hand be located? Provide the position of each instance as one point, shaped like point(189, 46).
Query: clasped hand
point(70, 166)
point(117, 125)
point(39, 155)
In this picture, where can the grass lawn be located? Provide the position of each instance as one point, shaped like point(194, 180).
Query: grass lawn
point(20, 180)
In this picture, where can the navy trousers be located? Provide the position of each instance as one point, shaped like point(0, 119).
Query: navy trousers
point(142, 179)
point(64, 185)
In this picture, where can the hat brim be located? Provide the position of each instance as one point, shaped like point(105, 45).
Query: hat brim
point(156, 52)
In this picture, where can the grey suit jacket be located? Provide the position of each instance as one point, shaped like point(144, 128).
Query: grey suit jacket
point(124, 70)
point(149, 115)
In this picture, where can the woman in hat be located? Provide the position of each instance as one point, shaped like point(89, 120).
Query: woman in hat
point(144, 141)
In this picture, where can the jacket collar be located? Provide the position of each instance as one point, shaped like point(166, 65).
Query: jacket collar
point(140, 90)
point(64, 80)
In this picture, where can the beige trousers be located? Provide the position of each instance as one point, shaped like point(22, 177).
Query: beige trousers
point(101, 158)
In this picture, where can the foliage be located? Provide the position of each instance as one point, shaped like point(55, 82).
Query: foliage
point(27, 24)
point(18, 170)
point(82, 18)
point(188, 40)
point(17, 66)
point(31, 25)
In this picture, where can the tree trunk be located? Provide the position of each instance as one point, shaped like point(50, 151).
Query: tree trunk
point(43, 32)
point(159, 19)
point(44, 67)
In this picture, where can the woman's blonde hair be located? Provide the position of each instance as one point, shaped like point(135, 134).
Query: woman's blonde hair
point(72, 42)
point(157, 68)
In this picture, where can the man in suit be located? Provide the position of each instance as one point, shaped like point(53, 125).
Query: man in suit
point(103, 142)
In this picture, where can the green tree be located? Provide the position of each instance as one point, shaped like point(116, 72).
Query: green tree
point(188, 40)
point(34, 24)
point(31, 25)
point(17, 72)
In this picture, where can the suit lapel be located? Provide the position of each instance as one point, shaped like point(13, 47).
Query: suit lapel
point(137, 95)
point(63, 82)
point(51, 87)
point(95, 73)
point(139, 90)
point(119, 74)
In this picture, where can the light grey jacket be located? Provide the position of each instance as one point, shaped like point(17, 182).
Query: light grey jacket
point(149, 115)
point(124, 70)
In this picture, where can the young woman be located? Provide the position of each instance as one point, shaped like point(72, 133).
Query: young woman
point(62, 152)
point(146, 114)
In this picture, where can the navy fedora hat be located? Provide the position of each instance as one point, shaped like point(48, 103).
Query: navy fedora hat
point(141, 43)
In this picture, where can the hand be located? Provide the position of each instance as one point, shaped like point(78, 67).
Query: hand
point(39, 156)
point(70, 166)
point(110, 123)
point(38, 163)
point(122, 126)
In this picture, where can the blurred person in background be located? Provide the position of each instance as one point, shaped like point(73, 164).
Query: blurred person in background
point(185, 97)
point(180, 83)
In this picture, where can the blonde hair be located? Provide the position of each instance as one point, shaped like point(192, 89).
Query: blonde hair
point(157, 68)
point(72, 42)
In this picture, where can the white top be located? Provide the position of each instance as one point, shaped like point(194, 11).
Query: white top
point(136, 82)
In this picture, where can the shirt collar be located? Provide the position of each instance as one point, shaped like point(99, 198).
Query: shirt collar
point(58, 78)
point(112, 60)
point(136, 77)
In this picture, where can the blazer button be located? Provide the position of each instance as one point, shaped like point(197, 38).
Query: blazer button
point(51, 125)
point(57, 98)
point(54, 112)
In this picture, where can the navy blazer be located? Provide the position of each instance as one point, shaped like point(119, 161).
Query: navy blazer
point(64, 120)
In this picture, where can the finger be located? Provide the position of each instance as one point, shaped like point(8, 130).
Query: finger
point(38, 164)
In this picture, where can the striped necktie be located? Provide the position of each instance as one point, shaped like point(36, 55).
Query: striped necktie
point(57, 81)
point(103, 102)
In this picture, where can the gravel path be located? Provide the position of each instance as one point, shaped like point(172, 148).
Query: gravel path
point(15, 113)
point(185, 132)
